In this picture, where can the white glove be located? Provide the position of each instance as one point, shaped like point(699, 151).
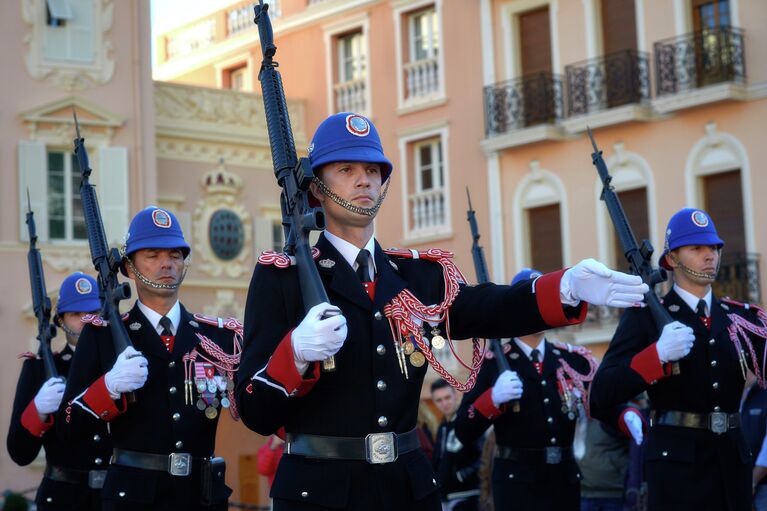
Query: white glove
point(675, 342)
point(49, 396)
point(593, 282)
point(128, 374)
point(508, 387)
point(634, 424)
point(319, 336)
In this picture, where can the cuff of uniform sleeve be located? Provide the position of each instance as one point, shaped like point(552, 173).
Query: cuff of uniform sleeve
point(282, 368)
point(484, 405)
point(622, 421)
point(101, 403)
point(30, 419)
point(547, 294)
point(647, 364)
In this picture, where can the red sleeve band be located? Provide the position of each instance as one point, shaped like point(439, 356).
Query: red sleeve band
point(547, 294)
point(98, 399)
point(30, 419)
point(484, 405)
point(282, 369)
point(647, 364)
point(622, 421)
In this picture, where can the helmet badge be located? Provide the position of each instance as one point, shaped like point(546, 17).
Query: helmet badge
point(699, 218)
point(357, 125)
point(161, 219)
point(83, 286)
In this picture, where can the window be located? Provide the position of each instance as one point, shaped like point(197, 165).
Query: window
point(545, 233)
point(236, 78)
point(428, 166)
point(277, 236)
point(424, 35)
point(351, 58)
point(428, 203)
point(65, 211)
point(634, 203)
point(69, 34)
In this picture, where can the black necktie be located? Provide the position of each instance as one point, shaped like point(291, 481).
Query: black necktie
point(166, 325)
point(701, 310)
point(363, 271)
point(535, 356)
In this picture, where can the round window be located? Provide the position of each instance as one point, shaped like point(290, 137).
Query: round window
point(226, 233)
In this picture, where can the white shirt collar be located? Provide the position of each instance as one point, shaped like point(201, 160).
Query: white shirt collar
point(527, 349)
point(174, 314)
point(692, 301)
point(349, 252)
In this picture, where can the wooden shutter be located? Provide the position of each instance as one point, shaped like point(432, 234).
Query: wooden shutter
point(111, 180)
point(535, 41)
point(723, 199)
point(635, 206)
point(618, 26)
point(545, 231)
point(33, 176)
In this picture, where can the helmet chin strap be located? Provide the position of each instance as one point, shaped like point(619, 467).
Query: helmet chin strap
point(153, 284)
point(60, 323)
point(371, 212)
point(711, 277)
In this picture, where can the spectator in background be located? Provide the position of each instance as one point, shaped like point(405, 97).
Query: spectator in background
point(753, 412)
point(268, 457)
point(426, 428)
point(456, 465)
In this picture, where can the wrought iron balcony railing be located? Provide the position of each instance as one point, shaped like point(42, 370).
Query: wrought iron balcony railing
point(699, 59)
point(739, 278)
point(610, 81)
point(523, 102)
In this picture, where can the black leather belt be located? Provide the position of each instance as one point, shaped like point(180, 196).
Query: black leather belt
point(175, 463)
point(374, 448)
point(544, 455)
point(716, 422)
point(94, 478)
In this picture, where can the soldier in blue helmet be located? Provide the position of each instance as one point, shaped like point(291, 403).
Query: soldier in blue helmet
point(351, 438)
point(696, 456)
point(549, 381)
point(74, 471)
point(181, 371)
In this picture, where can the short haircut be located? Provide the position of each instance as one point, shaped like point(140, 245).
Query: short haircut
point(439, 384)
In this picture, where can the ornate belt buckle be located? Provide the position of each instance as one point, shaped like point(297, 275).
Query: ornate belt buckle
point(179, 464)
point(553, 455)
point(718, 422)
point(381, 448)
point(96, 479)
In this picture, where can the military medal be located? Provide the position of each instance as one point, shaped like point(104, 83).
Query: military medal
point(408, 347)
point(229, 385)
point(215, 402)
point(225, 402)
point(201, 386)
point(417, 359)
point(201, 404)
point(437, 342)
point(211, 412)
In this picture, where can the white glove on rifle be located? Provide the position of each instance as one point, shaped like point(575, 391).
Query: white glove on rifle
point(319, 336)
point(49, 396)
point(128, 374)
point(634, 425)
point(675, 342)
point(593, 282)
point(508, 387)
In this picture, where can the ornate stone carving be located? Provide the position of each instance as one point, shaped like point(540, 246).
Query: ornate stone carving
point(67, 259)
point(52, 122)
point(226, 305)
point(62, 74)
point(221, 190)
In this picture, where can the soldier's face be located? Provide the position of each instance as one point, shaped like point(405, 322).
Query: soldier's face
point(446, 400)
point(358, 183)
point(699, 258)
point(161, 265)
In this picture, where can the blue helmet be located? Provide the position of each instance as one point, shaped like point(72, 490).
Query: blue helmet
point(689, 226)
point(154, 227)
point(525, 274)
point(348, 137)
point(78, 293)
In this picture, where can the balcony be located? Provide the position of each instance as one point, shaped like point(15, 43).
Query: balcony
point(428, 213)
point(422, 79)
point(739, 278)
point(701, 67)
point(617, 79)
point(350, 96)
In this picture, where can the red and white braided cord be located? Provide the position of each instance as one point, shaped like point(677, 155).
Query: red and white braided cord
point(739, 330)
point(578, 380)
point(223, 361)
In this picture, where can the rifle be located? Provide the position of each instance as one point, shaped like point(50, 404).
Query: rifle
point(480, 267)
point(106, 261)
point(41, 302)
point(638, 256)
point(293, 174)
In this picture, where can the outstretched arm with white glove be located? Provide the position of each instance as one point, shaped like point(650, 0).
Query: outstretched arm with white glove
point(49, 396)
point(508, 387)
point(129, 373)
point(319, 336)
point(593, 282)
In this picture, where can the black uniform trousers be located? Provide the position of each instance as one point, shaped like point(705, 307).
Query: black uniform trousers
point(685, 468)
point(367, 393)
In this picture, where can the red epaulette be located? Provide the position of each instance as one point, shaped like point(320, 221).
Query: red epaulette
point(96, 320)
point(572, 348)
point(730, 301)
point(282, 260)
point(228, 323)
point(433, 254)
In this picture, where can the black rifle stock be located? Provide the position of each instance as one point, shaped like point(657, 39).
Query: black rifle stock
point(293, 174)
point(41, 302)
point(483, 276)
point(106, 261)
point(638, 256)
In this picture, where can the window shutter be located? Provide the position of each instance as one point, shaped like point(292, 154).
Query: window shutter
point(81, 35)
point(262, 238)
point(33, 176)
point(111, 181)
